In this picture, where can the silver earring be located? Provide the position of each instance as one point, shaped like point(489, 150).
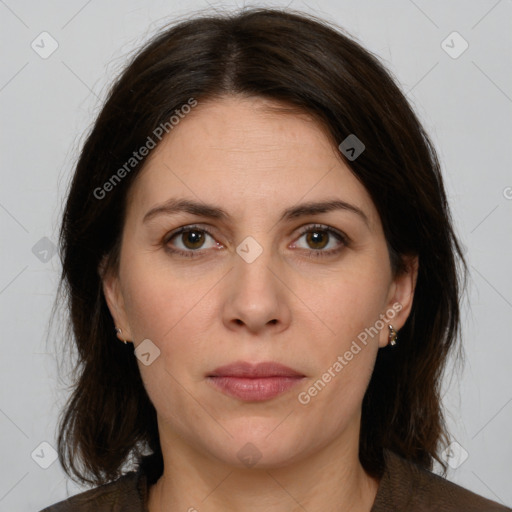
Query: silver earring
point(119, 332)
point(392, 335)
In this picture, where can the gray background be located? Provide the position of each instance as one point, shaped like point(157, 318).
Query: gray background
point(48, 104)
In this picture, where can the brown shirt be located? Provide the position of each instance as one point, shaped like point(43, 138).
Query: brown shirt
point(405, 487)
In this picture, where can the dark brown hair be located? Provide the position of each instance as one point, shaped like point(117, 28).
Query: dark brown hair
point(311, 66)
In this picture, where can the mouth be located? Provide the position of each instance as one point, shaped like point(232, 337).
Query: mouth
point(254, 382)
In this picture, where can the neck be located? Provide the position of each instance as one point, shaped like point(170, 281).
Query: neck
point(331, 479)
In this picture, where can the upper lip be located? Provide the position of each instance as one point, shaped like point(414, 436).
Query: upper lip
point(250, 370)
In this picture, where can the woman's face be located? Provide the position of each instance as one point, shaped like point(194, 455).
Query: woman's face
point(266, 281)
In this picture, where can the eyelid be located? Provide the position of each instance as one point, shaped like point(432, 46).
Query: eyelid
point(311, 227)
point(188, 227)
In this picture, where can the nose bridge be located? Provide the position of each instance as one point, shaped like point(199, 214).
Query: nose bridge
point(255, 295)
point(254, 261)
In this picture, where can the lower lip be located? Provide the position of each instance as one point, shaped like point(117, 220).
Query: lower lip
point(254, 389)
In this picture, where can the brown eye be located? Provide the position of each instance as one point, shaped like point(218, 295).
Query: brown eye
point(322, 241)
point(317, 239)
point(192, 239)
point(188, 240)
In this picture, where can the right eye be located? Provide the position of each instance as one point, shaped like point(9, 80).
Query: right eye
point(191, 239)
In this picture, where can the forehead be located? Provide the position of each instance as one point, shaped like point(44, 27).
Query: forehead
point(238, 151)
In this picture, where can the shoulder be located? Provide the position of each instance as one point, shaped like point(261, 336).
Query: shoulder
point(406, 486)
point(127, 493)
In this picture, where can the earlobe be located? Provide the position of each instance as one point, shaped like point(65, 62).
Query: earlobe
point(115, 302)
point(401, 299)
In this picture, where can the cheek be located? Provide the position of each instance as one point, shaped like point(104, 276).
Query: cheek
point(345, 355)
point(354, 297)
point(174, 310)
point(165, 309)
point(349, 304)
point(158, 298)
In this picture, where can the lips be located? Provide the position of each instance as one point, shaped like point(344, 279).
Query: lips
point(254, 382)
point(260, 370)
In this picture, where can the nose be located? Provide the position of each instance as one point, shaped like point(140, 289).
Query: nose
point(256, 296)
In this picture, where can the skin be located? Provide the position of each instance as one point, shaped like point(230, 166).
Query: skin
point(285, 306)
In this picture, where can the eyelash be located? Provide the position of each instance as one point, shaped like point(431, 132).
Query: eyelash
point(313, 253)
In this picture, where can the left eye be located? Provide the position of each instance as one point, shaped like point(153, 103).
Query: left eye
point(322, 238)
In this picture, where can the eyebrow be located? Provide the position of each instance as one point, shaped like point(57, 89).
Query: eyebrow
point(173, 206)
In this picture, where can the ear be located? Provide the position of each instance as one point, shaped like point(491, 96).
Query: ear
point(115, 300)
point(400, 297)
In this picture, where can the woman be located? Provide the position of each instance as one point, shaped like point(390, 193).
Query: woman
point(260, 219)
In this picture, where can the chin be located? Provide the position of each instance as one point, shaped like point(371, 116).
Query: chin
point(263, 447)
